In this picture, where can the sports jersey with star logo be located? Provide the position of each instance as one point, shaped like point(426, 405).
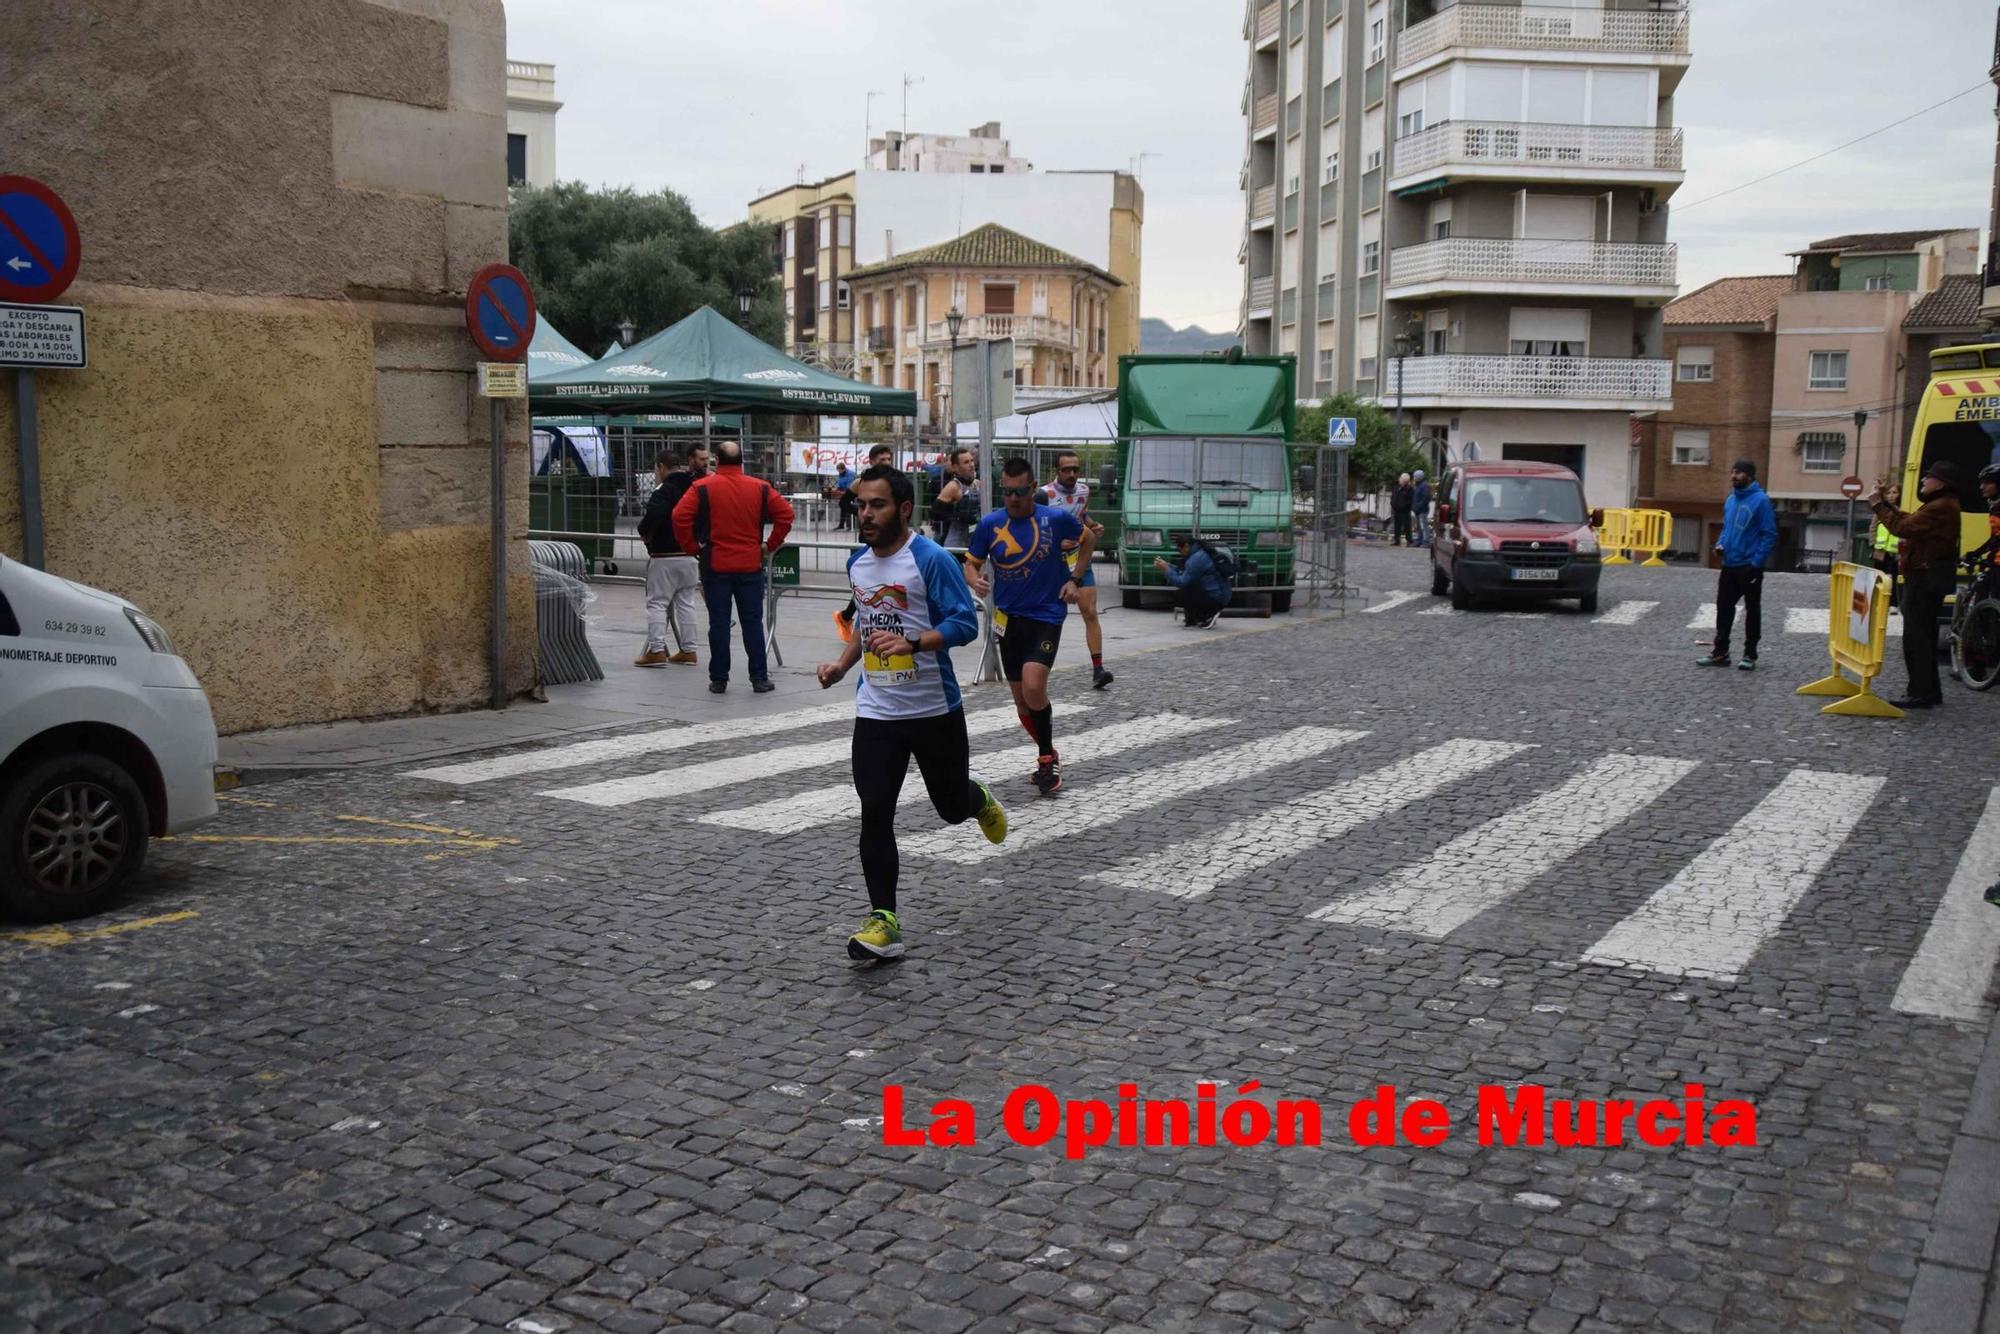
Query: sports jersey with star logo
point(1026, 556)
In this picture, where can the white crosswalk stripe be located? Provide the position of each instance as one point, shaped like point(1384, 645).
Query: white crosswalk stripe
point(1815, 620)
point(1395, 599)
point(614, 749)
point(1625, 613)
point(1949, 975)
point(1712, 917)
point(1199, 865)
point(1704, 618)
point(692, 778)
point(1486, 866)
point(837, 801)
point(1041, 822)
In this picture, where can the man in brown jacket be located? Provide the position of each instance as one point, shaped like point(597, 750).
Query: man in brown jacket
point(1930, 571)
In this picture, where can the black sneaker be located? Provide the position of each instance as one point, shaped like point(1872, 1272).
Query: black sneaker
point(1993, 893)
point(763, 687)
point(1913, 703)
point(717, 687)
point(1048, 775)
point(1100, 677)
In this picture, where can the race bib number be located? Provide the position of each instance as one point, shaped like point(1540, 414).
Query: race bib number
point(895, 669)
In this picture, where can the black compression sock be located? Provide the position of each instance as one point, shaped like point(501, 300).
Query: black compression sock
point(1043, 721)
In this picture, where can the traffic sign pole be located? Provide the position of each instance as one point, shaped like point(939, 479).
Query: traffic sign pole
point(497, 643)
point(500, 316)
point(27, 433)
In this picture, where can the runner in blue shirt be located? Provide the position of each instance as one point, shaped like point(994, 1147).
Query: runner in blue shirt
point(912, 607)
point(1032, 582)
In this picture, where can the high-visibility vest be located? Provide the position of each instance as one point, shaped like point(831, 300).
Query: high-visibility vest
point(1886, 540)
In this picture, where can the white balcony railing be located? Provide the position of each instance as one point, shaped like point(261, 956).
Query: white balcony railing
point(1262, 290)
point(1455, 379)
point(1025, 328)
point(1477, 261)
point(1545, 28)
point(1479, 143)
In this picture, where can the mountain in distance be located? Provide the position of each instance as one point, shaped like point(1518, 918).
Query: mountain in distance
point(1159, 336)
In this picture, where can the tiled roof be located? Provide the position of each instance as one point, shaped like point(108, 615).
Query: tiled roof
point(1954, 305)
point(1731, 301)
point(1871, 241)
point(989, 247)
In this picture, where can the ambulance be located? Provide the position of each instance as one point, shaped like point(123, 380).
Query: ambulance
point(1958, 418)
point(106, 741)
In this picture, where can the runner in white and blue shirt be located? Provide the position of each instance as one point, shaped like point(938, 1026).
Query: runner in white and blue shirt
point(912, 607)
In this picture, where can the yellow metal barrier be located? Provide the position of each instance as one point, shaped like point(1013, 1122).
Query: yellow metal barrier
point(1652, 533)
point(1855, 595)
point(1615, 538)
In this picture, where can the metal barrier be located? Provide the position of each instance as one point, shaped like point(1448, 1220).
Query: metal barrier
point(1857, 599)
point(561, 641)
point(1652, 533)
point(1614, 537)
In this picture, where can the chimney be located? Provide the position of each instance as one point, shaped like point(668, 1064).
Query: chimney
point(888, 243)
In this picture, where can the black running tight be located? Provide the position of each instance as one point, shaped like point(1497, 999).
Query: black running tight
point(883, 749)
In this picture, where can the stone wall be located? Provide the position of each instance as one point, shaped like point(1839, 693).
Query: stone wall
point(278, 450)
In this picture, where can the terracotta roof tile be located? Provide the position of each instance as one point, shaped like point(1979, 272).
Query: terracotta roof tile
point(989, 247)
point(1750, 300)
point(1954, 305)
point(1869, 241)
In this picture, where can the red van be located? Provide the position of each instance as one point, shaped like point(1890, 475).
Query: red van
point(1514, 530)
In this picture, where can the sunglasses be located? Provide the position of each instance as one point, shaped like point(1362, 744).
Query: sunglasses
point(1017, 490)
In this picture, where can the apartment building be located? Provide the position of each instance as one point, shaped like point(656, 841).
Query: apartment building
point(978, 152)
point(1840, 353)
point(1000, 284)
point(1459, 210)
point(531, 122)
point(1720, 340)
point(815, 256)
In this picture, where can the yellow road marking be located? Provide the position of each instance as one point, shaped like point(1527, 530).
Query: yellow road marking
point(484, 840)
point(52, 936)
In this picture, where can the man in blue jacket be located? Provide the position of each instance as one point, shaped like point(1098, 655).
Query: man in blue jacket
point(1204, 591)
point(1749, 536)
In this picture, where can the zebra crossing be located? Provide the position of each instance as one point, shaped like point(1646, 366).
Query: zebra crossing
point(1812, 621)
point(1130, 778)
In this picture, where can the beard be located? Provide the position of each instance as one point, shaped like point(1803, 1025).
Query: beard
point(886, 532)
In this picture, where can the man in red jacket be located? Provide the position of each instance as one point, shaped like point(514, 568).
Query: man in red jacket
point(723, 517)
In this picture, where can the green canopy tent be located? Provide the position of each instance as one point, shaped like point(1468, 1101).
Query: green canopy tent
point(549, 353)
point(706, 362)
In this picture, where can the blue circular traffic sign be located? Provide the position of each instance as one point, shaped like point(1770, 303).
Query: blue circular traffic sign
point(39, 246)
point(500, 312)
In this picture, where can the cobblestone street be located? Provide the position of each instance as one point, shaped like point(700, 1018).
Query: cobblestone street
point(562, 1036)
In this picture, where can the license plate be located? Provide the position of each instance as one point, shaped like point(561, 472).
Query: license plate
point(1537, 574)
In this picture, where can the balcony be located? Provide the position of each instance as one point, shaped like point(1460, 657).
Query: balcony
point(1264, 116)
point(1457, 150)
point(1020, 328)
point(1623, 36)
point(1262, 291)
point(881, 338)
point(1603, 383)
point(1470, 264)
point(1264, 206)
point(1265, 31)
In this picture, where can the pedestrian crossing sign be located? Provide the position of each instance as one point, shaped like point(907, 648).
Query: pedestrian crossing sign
point(1340, 431)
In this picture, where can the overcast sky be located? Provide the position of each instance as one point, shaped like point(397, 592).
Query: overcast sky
point(725, 101)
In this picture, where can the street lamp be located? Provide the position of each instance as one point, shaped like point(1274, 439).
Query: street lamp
point(954, 320)
point(744, 296)
point(1404, 345)
point(1860, 420)
point(626, 329)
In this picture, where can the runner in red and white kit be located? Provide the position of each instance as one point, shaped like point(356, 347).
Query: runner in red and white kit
point(1069, 492)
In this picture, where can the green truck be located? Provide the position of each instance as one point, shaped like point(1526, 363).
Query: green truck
point(1232, 414)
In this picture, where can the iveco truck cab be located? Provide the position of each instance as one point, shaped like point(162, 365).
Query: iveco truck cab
point(1202, 451)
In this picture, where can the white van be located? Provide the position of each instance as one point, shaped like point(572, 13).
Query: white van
point(107, 741)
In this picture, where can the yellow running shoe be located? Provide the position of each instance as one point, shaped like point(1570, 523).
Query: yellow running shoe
point(879, 938)
point(992, 817)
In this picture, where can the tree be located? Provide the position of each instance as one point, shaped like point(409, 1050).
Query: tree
point(1377, 458)
point(598, 257)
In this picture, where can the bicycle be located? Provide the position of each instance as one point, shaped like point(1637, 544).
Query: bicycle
point(1975, 629)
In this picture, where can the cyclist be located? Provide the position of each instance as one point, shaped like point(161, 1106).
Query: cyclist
point(1031, 584)
point(1989, 491)
point(1070, 492)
